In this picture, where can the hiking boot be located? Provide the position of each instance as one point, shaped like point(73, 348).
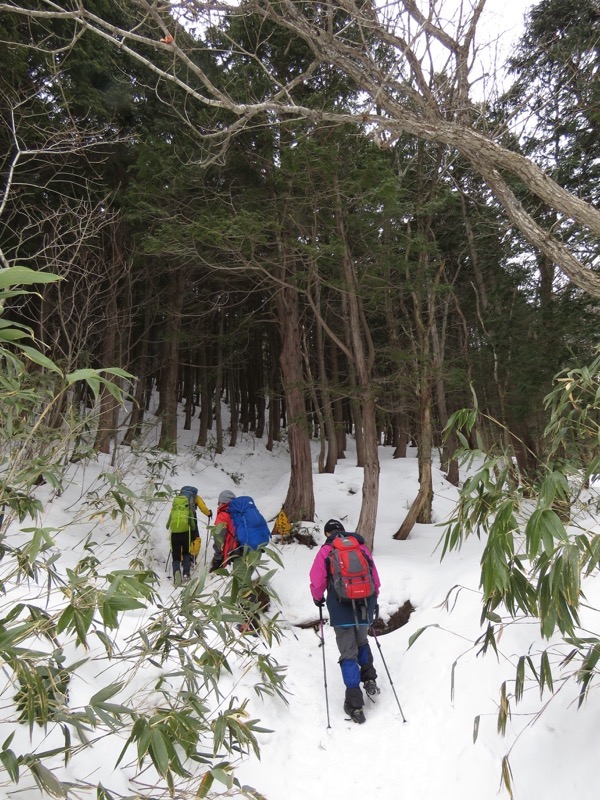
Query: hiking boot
point(177, 578)
point(371, 688)
point(356, 714)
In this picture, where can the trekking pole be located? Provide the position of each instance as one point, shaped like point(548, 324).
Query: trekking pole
point(208, 519)
point(388, 672)
point(167, 562)
point(324, 667)
point(287, 622)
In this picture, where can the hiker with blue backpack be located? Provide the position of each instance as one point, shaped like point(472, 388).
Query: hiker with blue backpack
point(183, 527)
point(239, 529)
point(344, 572)
point(224, 538)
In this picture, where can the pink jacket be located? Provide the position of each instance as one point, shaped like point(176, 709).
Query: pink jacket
point(318, 572)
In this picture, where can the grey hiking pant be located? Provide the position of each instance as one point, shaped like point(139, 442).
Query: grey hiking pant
point(356, 661)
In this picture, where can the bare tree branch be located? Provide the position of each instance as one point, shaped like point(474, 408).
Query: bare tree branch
point(400, 96)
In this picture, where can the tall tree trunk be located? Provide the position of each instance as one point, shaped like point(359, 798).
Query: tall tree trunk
point(256, 387)
point(188, 393)
point(318, 410)
point(356, 414)
point(170, 366)
point(234, 409)
point(328, 461)
point(299, 503)
point(109, 407)
point(450, 446)
point(137, 410)
point(205, 409)
point(337, 404)
point(400, 435)
point(206, 395)
point(274, 429)
point(246, 420)
point(219, 386)
point(420, 510)
point(327, 407)
point(362, 358)
point(141, 369)
point(274, 420)
point(423, 300)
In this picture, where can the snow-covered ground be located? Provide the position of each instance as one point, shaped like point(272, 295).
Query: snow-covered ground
point(441, 683)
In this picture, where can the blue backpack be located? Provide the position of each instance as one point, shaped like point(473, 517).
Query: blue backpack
point(251, 529)
point(191, 493)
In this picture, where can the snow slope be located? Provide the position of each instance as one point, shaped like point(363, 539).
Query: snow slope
point(441, 683)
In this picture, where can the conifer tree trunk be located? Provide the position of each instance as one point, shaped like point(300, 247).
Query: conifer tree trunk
point(400, 435)
point(260, 415)
point(318, 411)
point(274, 420)
point(362, 363)
point(326, 406)
point(205, 401)
point(234, 409)
point(109, 408)
point(107, 418)
point(137, 411)
point(219, 387)
point(299, 503)
point(322, 400)
point(274, 431)
point(397, 343)
point(337, 405)
point(449, 464)
point(170, 366)
point(246, 416)
point(424, 310)
point(188, 395)
point(420, 510)
point(258, 387)
point(140, 370)
point(356, 415)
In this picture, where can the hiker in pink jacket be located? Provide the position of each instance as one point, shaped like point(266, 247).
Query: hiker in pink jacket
point(350, 621)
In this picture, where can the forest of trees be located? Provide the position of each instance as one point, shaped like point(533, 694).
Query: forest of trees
point(299, 210)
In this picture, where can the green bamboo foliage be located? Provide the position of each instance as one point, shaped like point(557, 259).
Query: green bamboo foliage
point(536, 556)
point(182, 722)
point(532, 560)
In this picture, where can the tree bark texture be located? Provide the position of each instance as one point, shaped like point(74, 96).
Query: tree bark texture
point(170, 365)
point(299, 503)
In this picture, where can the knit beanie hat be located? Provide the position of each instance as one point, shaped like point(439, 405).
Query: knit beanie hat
point(225, 496)
point(333, 525)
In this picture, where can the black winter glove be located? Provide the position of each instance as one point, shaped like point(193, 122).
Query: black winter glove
point(319, 603)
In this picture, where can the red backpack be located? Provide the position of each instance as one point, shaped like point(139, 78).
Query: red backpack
point(350, 570)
